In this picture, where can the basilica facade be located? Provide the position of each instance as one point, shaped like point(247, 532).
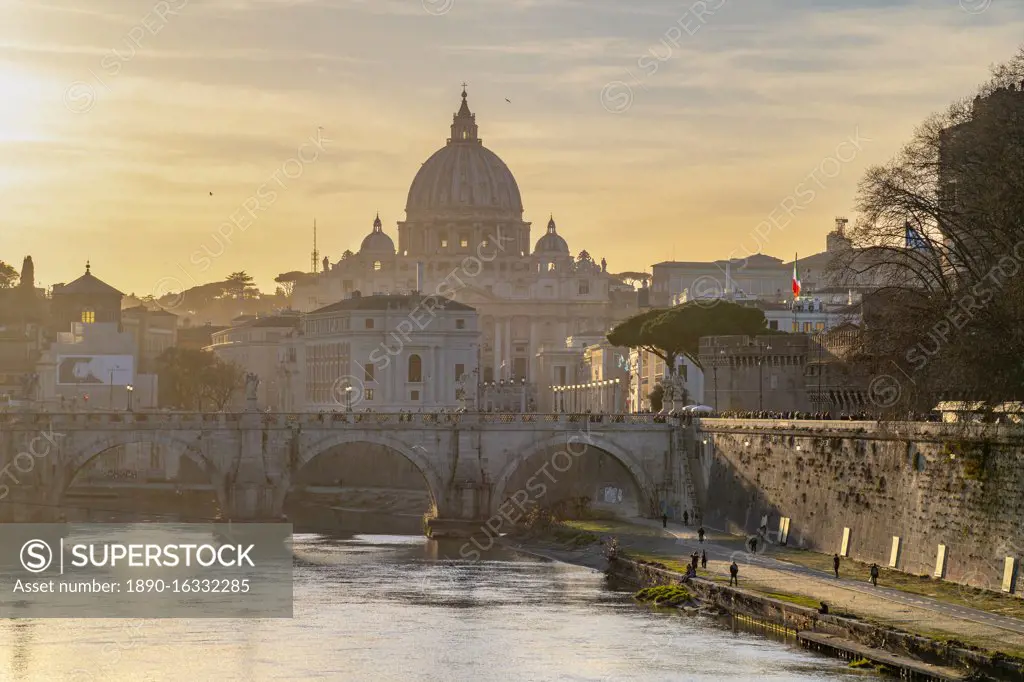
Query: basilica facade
point(464, 237)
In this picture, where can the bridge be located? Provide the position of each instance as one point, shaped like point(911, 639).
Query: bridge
point(475, 465)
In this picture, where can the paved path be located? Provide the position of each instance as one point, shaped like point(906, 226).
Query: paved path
point(849, 594)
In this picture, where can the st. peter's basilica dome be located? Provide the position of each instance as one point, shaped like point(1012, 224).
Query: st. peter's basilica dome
point(464, 177)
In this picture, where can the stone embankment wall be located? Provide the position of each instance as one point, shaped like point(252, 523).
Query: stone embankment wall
point(958, 486)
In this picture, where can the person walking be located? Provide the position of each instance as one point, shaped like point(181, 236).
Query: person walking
point(874, 574)
point(700, 534)
point(664, 520)
point(694, 558)
point(734, 572)
point(835, 564)
point(686, 518)
point(703, 559)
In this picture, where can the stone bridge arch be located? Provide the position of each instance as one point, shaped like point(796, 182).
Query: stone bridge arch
point(416, 454)
point(84, 453)
point(573, 444)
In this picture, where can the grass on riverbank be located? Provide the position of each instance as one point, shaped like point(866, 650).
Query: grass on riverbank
point(664, 595)
point(614, 527)
point(954, 639)
point(940, 590)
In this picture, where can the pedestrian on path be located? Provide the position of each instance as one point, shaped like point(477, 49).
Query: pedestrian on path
point(734, 572)
point(874, 574)
point(700, 534)
point(703, 559)
point(664, 520)
point(835, 564)
point(694, 558)
point(686, 518)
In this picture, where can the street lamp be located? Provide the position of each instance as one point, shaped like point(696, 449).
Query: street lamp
point(760, 377)
point(348, 398)
point(129, 388)
point(714, 367)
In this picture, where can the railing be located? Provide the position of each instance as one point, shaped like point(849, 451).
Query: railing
point(365, 419)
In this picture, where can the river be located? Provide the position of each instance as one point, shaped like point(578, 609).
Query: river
point(393, 608)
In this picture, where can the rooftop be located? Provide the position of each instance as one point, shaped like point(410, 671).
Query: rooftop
point(392, 302)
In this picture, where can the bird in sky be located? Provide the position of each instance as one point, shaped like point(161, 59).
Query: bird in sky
point(508, 100)
point(211, 194)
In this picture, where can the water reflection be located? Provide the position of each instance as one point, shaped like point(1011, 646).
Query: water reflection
point(394, 608)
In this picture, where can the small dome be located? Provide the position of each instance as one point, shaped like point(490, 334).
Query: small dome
point(377, 241)
point(552, 242)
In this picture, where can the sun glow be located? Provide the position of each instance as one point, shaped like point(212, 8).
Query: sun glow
point(21, 98)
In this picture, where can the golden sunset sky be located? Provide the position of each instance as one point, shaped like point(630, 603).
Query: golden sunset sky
point(649, 132)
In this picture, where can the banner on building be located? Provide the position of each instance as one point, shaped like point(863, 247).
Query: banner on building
point(95, 370)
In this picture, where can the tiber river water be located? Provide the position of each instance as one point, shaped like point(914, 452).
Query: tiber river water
point(392, 608)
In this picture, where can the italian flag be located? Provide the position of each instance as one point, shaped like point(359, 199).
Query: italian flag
point(796, 279)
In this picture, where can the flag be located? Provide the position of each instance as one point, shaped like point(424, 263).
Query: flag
point(914, 240)
point(796, 279)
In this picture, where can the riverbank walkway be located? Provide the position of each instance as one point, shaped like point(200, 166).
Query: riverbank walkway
point(854, 594)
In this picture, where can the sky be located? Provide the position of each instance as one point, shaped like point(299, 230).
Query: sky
point(132, 132)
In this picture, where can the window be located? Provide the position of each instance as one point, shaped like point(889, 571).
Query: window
point(415, 369)
point(88, 316)
point(460, 324)
point(444, 242)
point(377, 265)
point(369, 323)
point(368, 372)
point(414, 395)
point(807, 327)
point(488, 374)
point(463, 242)
point(820, 326)
point(368, 394)
point(796, 327)
point(551, 267)
point(584, 288)
point(774, 324)
point(460, 369)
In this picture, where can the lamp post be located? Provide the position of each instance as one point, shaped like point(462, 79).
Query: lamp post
point(714, 367)
point(129, 388)
point(760, 377)
point(348, 398)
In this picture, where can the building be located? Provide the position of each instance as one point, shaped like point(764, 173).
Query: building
point(93, 363)
point(391, 352)
point(756, 277)
point(975, 156)
point(756, 373)
point(825, 310)
point(464, 237)
point(154, 331)
point(647, 370)
point(788, 372)
point(254, 344)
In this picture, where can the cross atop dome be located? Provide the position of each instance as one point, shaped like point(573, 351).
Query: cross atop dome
point(551, 224)
point(464, 123)
point(377, 225)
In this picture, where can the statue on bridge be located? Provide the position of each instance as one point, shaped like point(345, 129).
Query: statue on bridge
point(252, 384)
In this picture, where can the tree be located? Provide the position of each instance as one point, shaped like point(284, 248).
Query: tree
point(669, 333)
point(942, 232)
point(239, 285)
point(288, 280)
point(8, 276)
point(192, 379)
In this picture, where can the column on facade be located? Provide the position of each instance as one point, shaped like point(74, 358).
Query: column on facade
point(508, 348)
point(531, 350)
point(498, 338)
